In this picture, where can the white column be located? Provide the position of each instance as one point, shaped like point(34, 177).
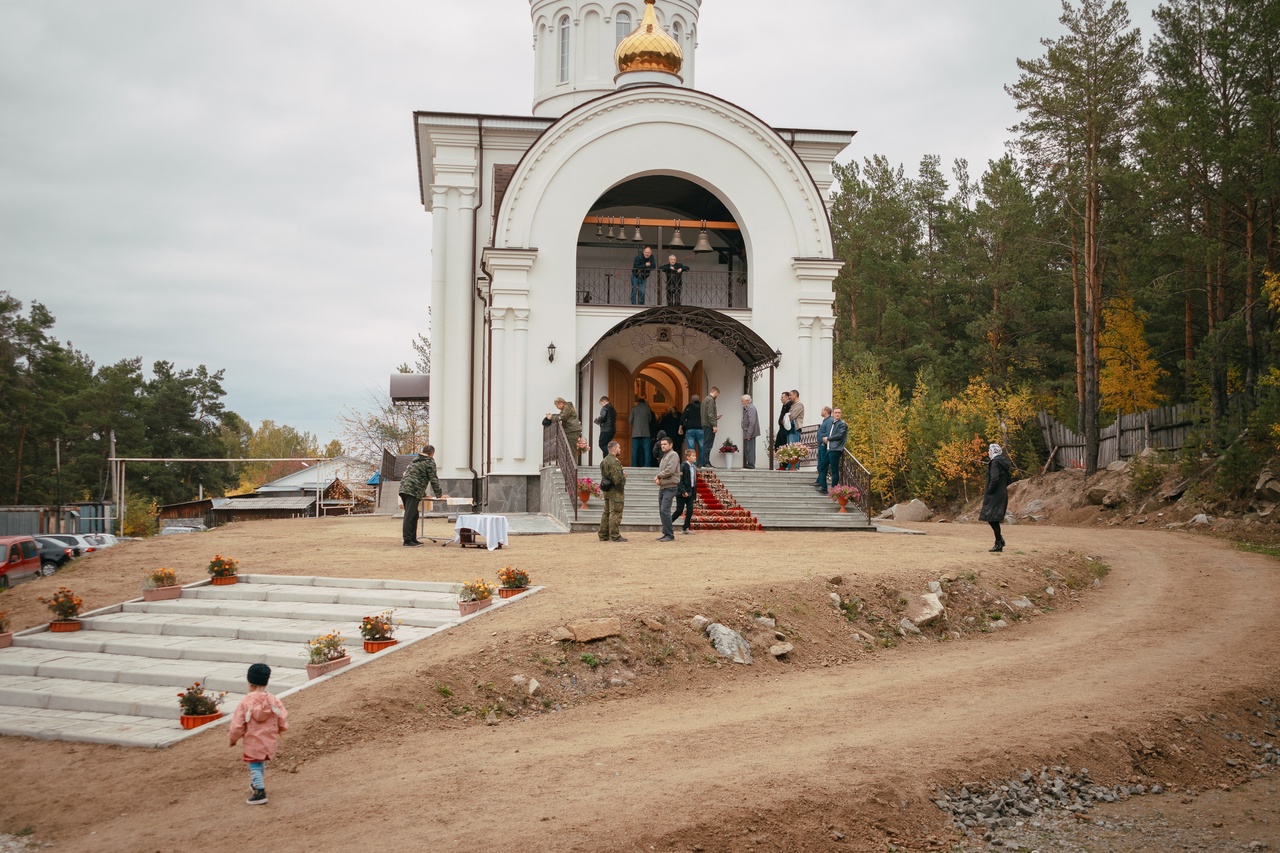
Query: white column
point(804, 383)
point(823, 356)
point(439, 300)
point(498, 318)
point(452, 444)
point(520, 425)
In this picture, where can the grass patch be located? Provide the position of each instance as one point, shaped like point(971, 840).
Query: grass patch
point(444, 690)
point(590, 660)
point(1269, 550)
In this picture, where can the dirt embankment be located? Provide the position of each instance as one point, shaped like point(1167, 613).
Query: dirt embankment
point(650, 741)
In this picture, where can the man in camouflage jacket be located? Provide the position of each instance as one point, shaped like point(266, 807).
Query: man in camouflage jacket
point(611, 469)
point(568, 418)
point(421, 473)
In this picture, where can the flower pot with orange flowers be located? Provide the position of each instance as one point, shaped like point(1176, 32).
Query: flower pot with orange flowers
point(326, 653)
point(377, 631)
point(65, 606)
point(161, 585)
point(514, 581)
point(222, 570)
point(475, 595)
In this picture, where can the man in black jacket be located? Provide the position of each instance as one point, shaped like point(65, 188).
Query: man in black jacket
point(608, 423)
point(640, 269)
point(674, 272)
point(687, 490)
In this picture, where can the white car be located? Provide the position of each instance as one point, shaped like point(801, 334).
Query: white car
point(80, 545)
point(102, 540)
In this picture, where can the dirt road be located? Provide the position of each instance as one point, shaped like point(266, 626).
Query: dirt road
point(838, 747)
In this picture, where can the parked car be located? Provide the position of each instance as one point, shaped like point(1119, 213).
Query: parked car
point(77, 543)
point(173, 531)
point(102, 540)
point(53, 556)
point(21, 556)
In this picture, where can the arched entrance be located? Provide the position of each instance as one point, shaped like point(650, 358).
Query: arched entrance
point(682, 351)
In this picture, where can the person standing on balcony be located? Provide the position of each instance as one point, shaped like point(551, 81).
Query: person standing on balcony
point(568, 418)
point(639, 423)
point(710, 425)
point(750, 431)
point(824, 429)
point(674, 272)
point(835, 445)
point(640, 269)
point(608, 423)
point(611, 473)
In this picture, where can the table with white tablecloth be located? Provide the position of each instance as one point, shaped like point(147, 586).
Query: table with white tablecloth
point(492, 527)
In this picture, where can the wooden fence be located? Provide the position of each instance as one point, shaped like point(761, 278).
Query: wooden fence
point(1165, 428)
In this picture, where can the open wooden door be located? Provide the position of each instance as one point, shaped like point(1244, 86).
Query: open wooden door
point(697, 382)
point(622, 396)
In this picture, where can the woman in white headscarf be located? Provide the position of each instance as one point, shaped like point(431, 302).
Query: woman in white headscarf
point(996, 501)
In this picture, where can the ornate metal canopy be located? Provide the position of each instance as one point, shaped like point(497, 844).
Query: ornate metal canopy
point(751, 349)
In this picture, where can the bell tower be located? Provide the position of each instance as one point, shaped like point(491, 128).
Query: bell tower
point(575, 42)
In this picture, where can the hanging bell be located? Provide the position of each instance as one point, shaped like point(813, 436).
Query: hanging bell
point(675, 242)
point(703, 245)
point(622, 229)
point(639, 238)
point(599, 228)
point(610, 234)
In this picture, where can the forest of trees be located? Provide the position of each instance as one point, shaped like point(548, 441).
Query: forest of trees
point(1121, 255)
point(54, 401)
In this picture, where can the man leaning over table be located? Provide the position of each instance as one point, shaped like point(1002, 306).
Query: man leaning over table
point(421, 473)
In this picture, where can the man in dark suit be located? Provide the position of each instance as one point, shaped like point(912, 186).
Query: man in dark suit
point(643, 264)
point(687, 490)
point(835, 445)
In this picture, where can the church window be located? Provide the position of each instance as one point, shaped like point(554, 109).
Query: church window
point(564, 49)
point(676, 31)
point(623, 25)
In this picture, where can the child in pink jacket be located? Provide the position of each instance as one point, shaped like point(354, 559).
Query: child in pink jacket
point(259, 719)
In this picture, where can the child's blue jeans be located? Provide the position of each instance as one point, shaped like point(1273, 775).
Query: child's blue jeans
point(255, 774)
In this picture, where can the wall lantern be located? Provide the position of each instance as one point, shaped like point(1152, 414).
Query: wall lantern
point(551, 352)
point(777, 356)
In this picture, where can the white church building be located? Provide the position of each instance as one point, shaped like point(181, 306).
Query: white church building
point(536, 221)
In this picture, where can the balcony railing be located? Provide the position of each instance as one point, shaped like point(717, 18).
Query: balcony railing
point(701, 288)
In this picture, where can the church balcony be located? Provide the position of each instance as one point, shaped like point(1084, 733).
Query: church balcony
point(719, 289)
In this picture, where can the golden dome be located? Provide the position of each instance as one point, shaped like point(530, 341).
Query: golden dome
point(649, 48)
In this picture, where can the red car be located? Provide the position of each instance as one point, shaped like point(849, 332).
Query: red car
point(21, 557)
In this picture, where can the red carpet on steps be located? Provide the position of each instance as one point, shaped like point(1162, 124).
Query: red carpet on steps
point(717, 510)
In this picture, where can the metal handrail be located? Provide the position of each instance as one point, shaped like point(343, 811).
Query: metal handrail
point(699, 288)
point(556, 451)
point(853, 471)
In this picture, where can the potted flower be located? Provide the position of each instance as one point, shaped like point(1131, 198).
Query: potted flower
point(325, 654)
point(582, 446)
point(728, 446)
point(160, 585)
point(514, 581)
point(587, 488)
point(790, 455)
point(65, 606)
point(475, 595)
point(377, 631)
point(222, 570)
point(6, 636)
point(199, 706)
point(842, 494)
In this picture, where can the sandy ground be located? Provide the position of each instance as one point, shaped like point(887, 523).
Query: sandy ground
point(655, 744)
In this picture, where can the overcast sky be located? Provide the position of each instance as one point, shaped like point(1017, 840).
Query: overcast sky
point(234, 183)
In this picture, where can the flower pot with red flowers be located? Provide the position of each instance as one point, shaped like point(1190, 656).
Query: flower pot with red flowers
point(65, 606)
point(475, 595)
point(842, 494)
point(377, 631)
point(6, 636)
point(326, 653)
point(514, 581)
point(587, 488)
point(199, 706)
point(222, 570)
point(161, 585)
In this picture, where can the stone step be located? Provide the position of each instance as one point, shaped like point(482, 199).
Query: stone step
point(334, 615)
point(273, 592)
point(134, 700)
point(138, 669)
point(90, 726)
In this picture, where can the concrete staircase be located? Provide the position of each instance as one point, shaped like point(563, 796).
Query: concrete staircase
point(788, 500)
point(116, 680)
point(777, 499)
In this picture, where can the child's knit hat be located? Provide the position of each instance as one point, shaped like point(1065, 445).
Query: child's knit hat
point(259, 674)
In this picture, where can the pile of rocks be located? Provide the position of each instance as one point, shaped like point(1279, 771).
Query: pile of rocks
point(982, 809)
